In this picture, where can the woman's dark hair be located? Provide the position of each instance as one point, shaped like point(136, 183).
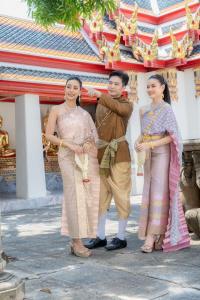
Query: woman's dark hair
point(80, 83)
point(124, 76)
point(162, 81)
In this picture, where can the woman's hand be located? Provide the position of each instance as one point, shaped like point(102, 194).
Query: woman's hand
point(142, 146)
point(76, 148)
point(136, 145)
point(137, 142)
point(87, 147)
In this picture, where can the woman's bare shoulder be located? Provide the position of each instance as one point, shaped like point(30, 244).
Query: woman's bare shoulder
point(57, 108)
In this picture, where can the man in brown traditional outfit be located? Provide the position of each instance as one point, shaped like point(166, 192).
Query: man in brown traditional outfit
point(112, 114)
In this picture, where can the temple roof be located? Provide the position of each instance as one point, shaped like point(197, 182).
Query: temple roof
point(17, 73)
point(152, 34)
point(144, 4)
point(25, 36)
point(155, 6)
point(139, 36)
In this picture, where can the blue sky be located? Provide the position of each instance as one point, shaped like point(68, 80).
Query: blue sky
point(15, 8)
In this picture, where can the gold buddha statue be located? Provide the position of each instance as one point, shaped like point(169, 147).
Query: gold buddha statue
point(49, 148)
point(4, 142)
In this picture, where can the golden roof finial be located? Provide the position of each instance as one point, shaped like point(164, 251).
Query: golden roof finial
point(181, 49)
point(192, 22)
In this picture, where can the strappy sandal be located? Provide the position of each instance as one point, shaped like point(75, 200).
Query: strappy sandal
point(147, 248)
point(80, 253)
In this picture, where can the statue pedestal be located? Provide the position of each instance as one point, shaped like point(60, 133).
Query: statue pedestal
point(190, 184)
point(11, 288)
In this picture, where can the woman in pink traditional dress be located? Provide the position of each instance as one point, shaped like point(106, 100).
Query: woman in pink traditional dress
point(162, 223)
point(77, 159)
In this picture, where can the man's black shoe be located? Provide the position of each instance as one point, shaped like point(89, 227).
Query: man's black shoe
point(116, 243)
point(96, 243)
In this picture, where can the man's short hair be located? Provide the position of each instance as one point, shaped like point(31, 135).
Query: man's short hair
point(124, 76)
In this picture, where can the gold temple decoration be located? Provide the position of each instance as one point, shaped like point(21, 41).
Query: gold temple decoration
point(8, 168)
point(5, 151)
point(183, 48)
point(127, 26)
point(103, 48)
point(110, 53)
point(170, 76)
point(197, 81)
point(193, 22)
point(96, 22)
point(132, 86)
point(144, 52)
point(49, 148)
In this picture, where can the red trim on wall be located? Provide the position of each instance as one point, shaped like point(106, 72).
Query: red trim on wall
point(125, 66)
point(157, 20)
point(47, 92)
point(9, 100)
point(167, 40)
point(190, 64)
point(173, 15)
point(49, 62)
point(143, 17)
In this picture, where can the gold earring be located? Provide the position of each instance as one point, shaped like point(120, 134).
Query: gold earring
point(163, 96)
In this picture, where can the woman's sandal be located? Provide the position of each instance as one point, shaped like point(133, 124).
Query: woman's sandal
point(147, 248)
point(80, 253)
point(159, 242)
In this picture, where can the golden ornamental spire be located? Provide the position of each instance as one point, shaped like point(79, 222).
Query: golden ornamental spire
point(127, 26)
point(192, 22)
point(143, 52)
point(181, 49)
point(114, 52)
point(96, 23)
point(110, 53)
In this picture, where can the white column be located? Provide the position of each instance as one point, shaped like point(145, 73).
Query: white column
point(30, 174)
point(134, 131)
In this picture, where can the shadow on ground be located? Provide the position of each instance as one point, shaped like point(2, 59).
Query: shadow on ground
point(50, 272)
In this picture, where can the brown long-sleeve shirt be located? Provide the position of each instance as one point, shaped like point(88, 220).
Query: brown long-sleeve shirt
point(112, 116)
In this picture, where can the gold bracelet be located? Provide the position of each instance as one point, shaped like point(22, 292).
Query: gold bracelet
point(61, 143)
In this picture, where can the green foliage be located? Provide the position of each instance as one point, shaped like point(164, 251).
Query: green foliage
point(67, 12)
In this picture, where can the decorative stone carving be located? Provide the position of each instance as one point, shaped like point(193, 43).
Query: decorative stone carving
point(190, 184)
point(132, 86)
point(197, 81)
point(171, 76)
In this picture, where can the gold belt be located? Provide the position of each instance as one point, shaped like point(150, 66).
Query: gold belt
point(148, 137)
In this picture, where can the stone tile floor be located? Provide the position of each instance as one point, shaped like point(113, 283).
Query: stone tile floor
point(51, 273)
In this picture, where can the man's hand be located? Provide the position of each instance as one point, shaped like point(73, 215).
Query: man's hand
point(93, 93)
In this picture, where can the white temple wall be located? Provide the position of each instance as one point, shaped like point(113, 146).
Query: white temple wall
point(191, 118)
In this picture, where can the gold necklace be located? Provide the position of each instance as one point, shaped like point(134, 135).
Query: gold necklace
point(152, 111)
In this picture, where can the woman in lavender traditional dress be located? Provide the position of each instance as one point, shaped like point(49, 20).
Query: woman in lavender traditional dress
point(77, 153)
point(162, 223)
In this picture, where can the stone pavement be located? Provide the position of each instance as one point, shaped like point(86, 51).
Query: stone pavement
point(51, 273)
